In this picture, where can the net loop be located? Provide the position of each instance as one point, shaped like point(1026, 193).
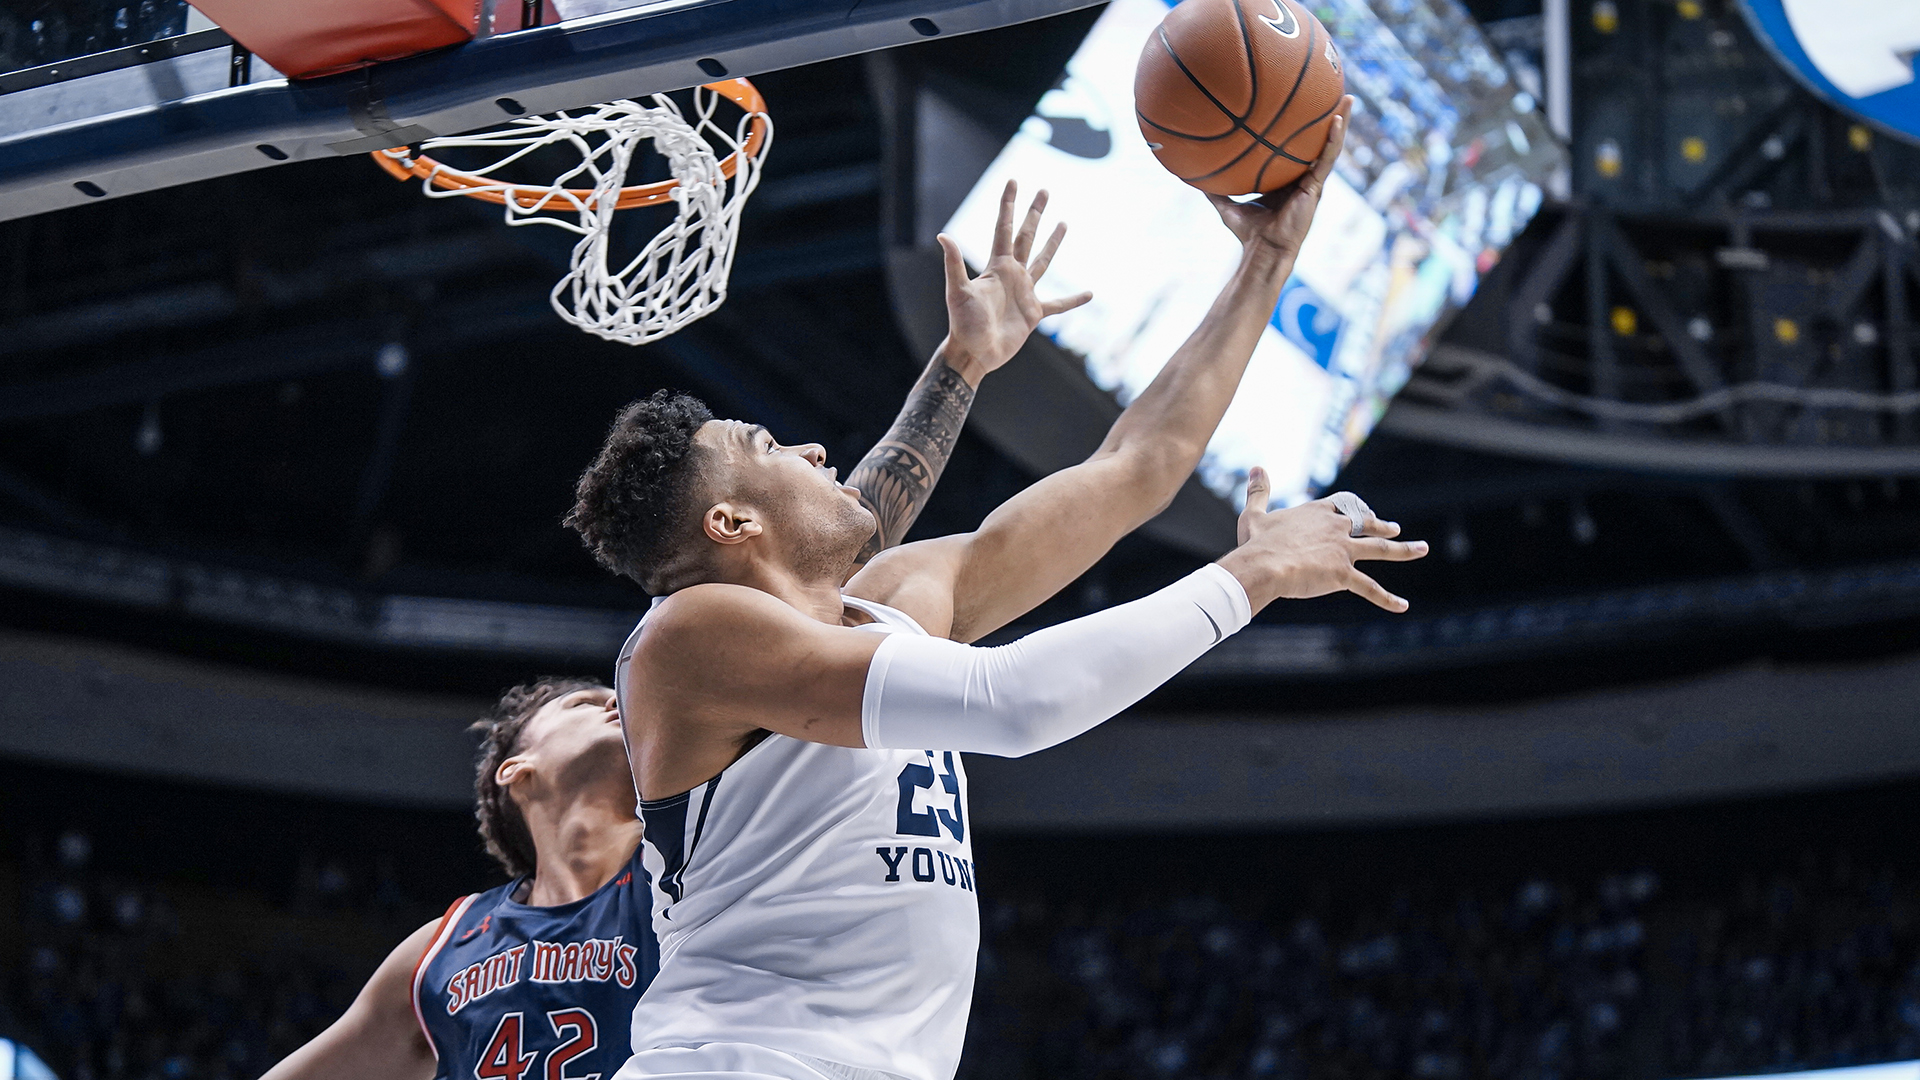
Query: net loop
point(680, 274)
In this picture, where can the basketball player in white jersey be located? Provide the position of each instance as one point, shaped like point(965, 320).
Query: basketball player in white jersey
point(794, 742)
point(555, 801)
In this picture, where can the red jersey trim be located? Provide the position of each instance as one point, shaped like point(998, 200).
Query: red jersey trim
point(448, 924)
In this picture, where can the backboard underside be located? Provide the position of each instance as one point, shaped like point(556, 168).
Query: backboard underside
point(179, 117)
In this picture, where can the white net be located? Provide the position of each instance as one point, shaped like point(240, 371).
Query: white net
point(680, 273)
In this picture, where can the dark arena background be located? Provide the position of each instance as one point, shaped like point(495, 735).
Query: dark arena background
point(284, 450)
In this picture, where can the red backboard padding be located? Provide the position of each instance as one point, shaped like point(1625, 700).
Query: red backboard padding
point(306, 38)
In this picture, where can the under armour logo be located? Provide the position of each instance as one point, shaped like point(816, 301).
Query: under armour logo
point(1286, 24)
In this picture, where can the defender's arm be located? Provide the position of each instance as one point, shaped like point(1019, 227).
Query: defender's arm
point(378, 1037)
point(1036, 543)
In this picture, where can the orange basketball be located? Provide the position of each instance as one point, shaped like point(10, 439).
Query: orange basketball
point(1236, 96)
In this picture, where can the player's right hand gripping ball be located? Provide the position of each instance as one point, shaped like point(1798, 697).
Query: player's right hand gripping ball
point(1236, 96)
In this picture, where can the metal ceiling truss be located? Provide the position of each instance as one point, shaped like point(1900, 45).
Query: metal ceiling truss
point(1750, 344)
point(1678, 108)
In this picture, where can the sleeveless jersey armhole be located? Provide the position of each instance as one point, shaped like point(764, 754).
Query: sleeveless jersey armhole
point(448, 923)
point(890, 617)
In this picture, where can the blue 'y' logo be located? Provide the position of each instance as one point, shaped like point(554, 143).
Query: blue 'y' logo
point(1308, 321)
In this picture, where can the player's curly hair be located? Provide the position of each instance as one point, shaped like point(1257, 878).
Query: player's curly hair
point(631, 505)
point(502, 828)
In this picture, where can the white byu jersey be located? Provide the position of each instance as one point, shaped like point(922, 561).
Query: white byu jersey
point(815, 900)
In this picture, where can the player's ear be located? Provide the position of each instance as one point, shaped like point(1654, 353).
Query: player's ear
point(730, 523)
point(510, 770)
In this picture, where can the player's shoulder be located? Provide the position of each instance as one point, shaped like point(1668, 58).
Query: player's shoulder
point(466, 918)
point(914, 578)
point(711, 596)
point(415, 945)
point(904, 560)
point(690, 632)
point(703, 608)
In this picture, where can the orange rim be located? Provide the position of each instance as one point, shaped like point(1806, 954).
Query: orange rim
point(420, 166)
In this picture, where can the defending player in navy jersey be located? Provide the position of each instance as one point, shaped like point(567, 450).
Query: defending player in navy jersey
point(536, 971)
point(538, 978)
point(796, 719)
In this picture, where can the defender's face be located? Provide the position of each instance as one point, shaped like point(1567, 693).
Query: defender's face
point(792, 486)
point(580, 729)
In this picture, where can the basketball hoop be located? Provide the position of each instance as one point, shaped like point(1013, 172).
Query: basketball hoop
point(681, 273)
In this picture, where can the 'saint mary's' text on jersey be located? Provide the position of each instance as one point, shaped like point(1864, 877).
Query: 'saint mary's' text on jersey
point(507, 991)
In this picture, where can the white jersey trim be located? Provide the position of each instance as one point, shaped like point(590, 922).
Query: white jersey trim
point(448, 924)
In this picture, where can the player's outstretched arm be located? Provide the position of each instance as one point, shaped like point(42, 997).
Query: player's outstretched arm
point(823, 683)
point(1036, 543)
point(899, 473)
point(377, 1038)
point(989, 318)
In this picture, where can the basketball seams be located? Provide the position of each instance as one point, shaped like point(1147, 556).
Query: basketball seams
point(1242, 155)
point(1306, 61)
point(1189, 136)
point(1296, 134)
point(1313, 34)
point(1258, 140)
point(1253, 67)
point(1239, 123)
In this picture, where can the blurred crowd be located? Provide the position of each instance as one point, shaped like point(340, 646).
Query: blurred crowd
point(124, 978)
point(1541, 980)
point(1530, 977)
point(1814, 969)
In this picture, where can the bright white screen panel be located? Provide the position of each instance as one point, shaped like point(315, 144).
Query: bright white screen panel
point(1444, 165)
point(19, 1063)
point(1901, 1070)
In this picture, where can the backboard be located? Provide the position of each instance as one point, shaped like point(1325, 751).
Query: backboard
point(190, 105)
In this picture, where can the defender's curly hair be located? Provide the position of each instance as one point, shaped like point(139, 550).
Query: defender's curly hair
point(630, 506)
point(502, 827)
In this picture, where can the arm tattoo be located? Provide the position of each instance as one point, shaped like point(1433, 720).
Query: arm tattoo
point(898, 474)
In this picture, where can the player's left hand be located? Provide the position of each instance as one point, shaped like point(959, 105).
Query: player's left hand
point(990, 316)
point(1311, 549)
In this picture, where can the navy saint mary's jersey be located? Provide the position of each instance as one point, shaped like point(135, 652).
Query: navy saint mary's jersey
point(514, 992)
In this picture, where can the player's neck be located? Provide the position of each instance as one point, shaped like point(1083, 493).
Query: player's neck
point(815, 594)
point(581, 844)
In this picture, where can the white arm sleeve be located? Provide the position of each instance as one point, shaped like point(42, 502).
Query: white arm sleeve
point(926, 693)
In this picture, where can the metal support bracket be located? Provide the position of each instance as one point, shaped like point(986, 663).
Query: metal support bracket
point(378, 129)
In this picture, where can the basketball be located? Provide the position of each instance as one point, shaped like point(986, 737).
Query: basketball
point(1236, 96)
